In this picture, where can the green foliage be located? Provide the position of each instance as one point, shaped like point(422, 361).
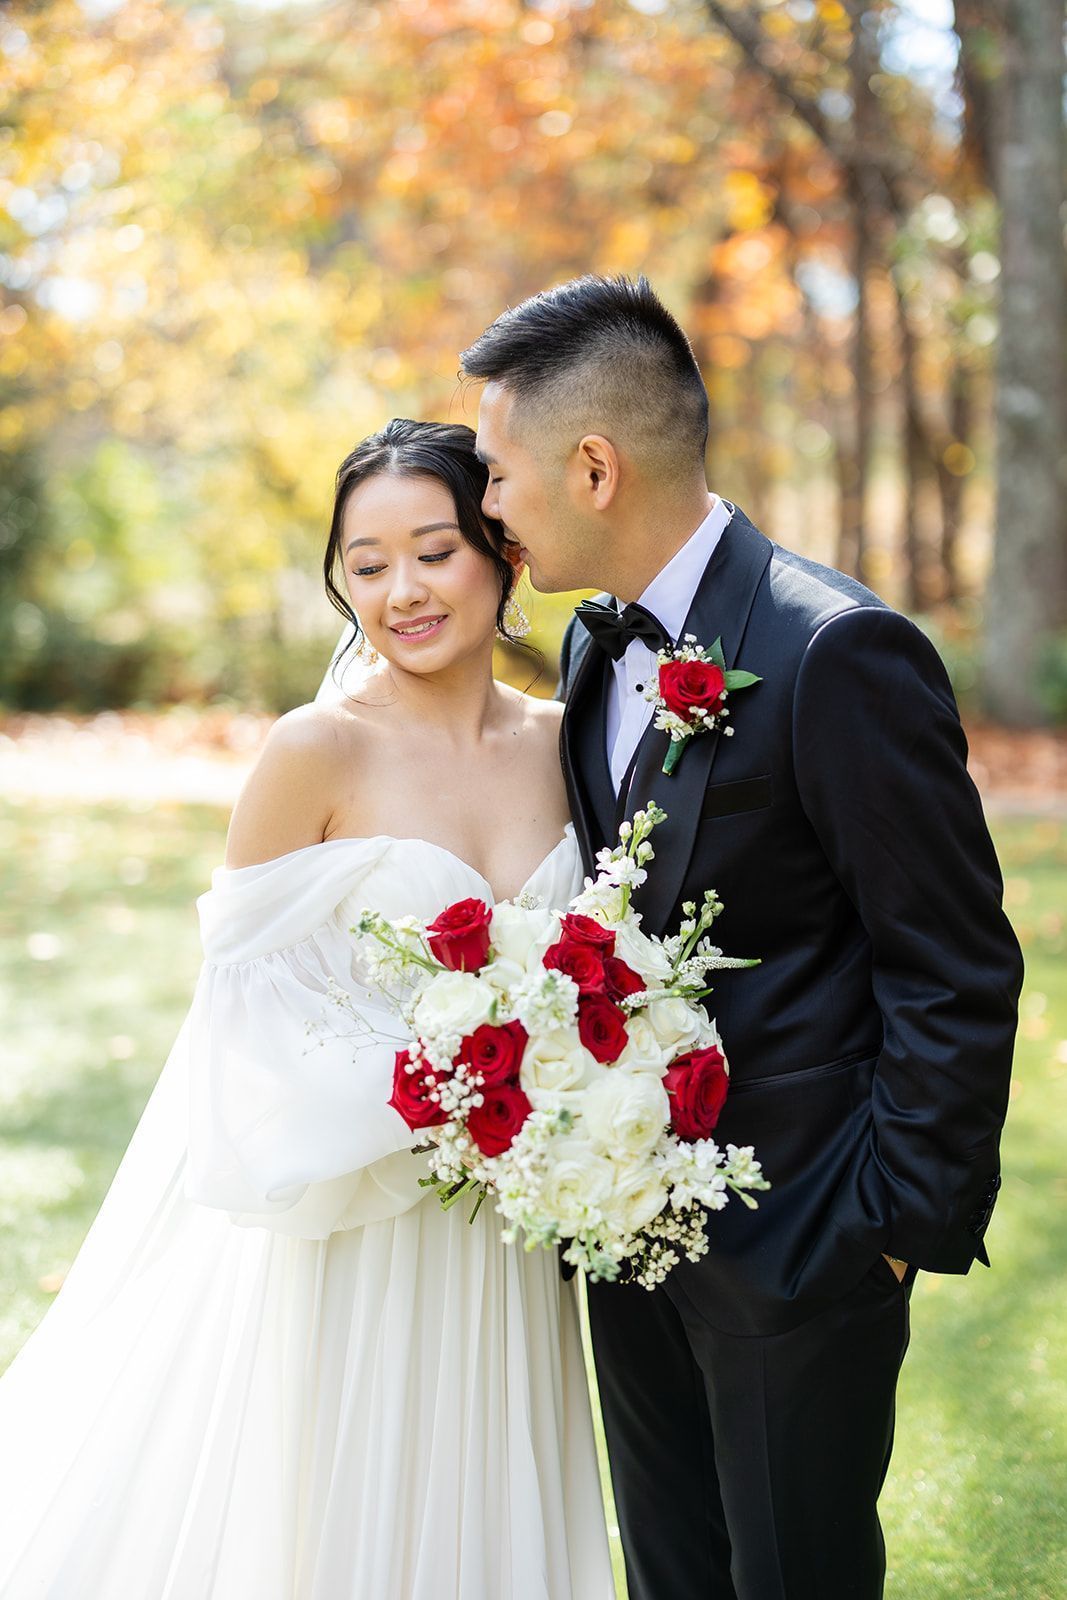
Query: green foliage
point(1052, 682)
point(974, 1507)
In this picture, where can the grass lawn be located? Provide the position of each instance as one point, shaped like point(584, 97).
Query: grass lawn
point(98, 954)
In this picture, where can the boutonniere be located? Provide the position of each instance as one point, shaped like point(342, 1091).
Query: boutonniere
point(691, 694)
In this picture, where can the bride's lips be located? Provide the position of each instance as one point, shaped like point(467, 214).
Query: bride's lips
point(419, 628)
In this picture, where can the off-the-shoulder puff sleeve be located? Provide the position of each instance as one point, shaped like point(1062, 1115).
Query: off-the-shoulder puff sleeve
point(289, 1122)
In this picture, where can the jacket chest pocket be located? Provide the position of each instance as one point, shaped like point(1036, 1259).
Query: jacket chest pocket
point(744, 794)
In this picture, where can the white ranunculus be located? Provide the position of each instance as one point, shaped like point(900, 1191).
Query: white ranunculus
point(555, 1066)
point(453, 1003)
point(637, 1195)
point(645, 1051)
point(643, 954)
point(522, 936)
point(578, 1179)
point(675, 1023)
point(624, 1113)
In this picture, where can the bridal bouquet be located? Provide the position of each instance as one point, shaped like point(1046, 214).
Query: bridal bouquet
point(564, 1063)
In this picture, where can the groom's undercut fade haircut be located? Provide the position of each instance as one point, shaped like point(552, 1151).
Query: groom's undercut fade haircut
point(599, 355)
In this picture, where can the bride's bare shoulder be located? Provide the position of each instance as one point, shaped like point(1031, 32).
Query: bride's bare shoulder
point(539, 714)
point(287, 799)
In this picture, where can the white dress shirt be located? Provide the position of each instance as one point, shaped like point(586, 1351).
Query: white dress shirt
point(668, 597)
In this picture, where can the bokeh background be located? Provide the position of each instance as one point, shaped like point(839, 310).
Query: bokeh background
point(236, 237)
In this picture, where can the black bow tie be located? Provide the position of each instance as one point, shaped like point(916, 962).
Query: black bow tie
point(613, 630)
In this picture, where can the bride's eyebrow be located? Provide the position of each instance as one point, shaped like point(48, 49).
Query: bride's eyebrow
point(429, 527)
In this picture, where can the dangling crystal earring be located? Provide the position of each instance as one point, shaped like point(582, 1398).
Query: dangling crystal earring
point(366, 651)
point(516, 621)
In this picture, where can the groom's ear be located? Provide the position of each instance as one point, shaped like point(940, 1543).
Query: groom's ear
point(595, 474)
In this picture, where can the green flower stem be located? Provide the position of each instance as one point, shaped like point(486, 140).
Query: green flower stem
point(465, 1186)
point(674, 754)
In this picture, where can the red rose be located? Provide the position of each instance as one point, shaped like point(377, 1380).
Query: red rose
point(684, 684)
point(586, 930)
point(582, 962)
point(696, 1083)
point(601, 1027)
point(460, 937)
point(621, 980)
point(495, 1052)
point(494, 1124)
point(411, 1094)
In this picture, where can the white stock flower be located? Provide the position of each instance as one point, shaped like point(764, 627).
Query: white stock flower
point(522, 936)
point(645, 955)
point(637, 1195)
point(625, 1112)
point(709, 1032)
point(577, 1181)
point(455, 1003)
point(675, 1022)
point(600, 900)
point(554, 1066)
point(545, 1000)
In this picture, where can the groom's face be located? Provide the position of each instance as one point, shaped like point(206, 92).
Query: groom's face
point(528, 497)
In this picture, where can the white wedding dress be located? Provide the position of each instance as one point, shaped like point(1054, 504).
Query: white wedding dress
point(277, 1370)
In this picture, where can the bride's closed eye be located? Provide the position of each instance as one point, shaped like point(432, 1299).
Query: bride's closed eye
point(370, 572)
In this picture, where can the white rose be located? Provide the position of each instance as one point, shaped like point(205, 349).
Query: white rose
point(453, 1003)
point(522, 936)
point(675, 1023)
point(554, 1067)
point(502, 975)
point(645, 1051)
point(625, 1113)
point(643, 954)
point(577, 1181)
point(637, 1195)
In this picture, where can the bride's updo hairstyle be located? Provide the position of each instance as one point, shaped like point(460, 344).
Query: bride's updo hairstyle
point(405, 449)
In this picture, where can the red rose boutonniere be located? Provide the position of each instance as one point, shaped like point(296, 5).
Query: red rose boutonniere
point(691, 694)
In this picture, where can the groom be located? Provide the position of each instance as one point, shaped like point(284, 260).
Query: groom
point(749, 1400)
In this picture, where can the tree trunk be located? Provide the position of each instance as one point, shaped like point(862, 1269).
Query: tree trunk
point(960, 411)
point(1027, 597)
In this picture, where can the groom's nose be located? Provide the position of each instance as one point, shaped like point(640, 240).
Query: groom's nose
point(489, 500)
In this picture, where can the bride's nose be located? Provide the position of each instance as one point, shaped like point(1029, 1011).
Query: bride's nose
point(409, 586)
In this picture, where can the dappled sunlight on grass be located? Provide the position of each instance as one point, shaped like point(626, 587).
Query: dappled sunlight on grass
point(98, 956)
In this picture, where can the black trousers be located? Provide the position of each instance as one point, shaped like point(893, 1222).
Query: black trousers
point(749, 1467)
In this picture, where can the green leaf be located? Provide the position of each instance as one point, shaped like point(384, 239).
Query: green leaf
point(715, 654)
point(741, 680)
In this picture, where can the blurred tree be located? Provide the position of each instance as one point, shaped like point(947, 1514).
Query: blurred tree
point(1013, 55)
point(234, 239)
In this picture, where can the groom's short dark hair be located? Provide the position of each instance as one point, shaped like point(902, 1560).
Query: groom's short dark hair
point(595, 354)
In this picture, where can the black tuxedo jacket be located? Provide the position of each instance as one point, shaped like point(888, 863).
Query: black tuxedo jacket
point(870, 1053)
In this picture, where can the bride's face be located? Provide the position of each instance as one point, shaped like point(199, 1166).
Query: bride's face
point(425, 598)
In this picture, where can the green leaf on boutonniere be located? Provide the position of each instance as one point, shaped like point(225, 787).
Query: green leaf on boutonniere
point(741, 680)
point(715, 654)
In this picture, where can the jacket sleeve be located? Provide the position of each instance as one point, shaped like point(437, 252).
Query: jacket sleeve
point(881, 766)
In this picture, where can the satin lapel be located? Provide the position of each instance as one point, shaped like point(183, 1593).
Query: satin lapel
point(585, 762)
point(720, 608)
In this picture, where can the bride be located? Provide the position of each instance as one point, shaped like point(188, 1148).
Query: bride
point(277, 1370)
